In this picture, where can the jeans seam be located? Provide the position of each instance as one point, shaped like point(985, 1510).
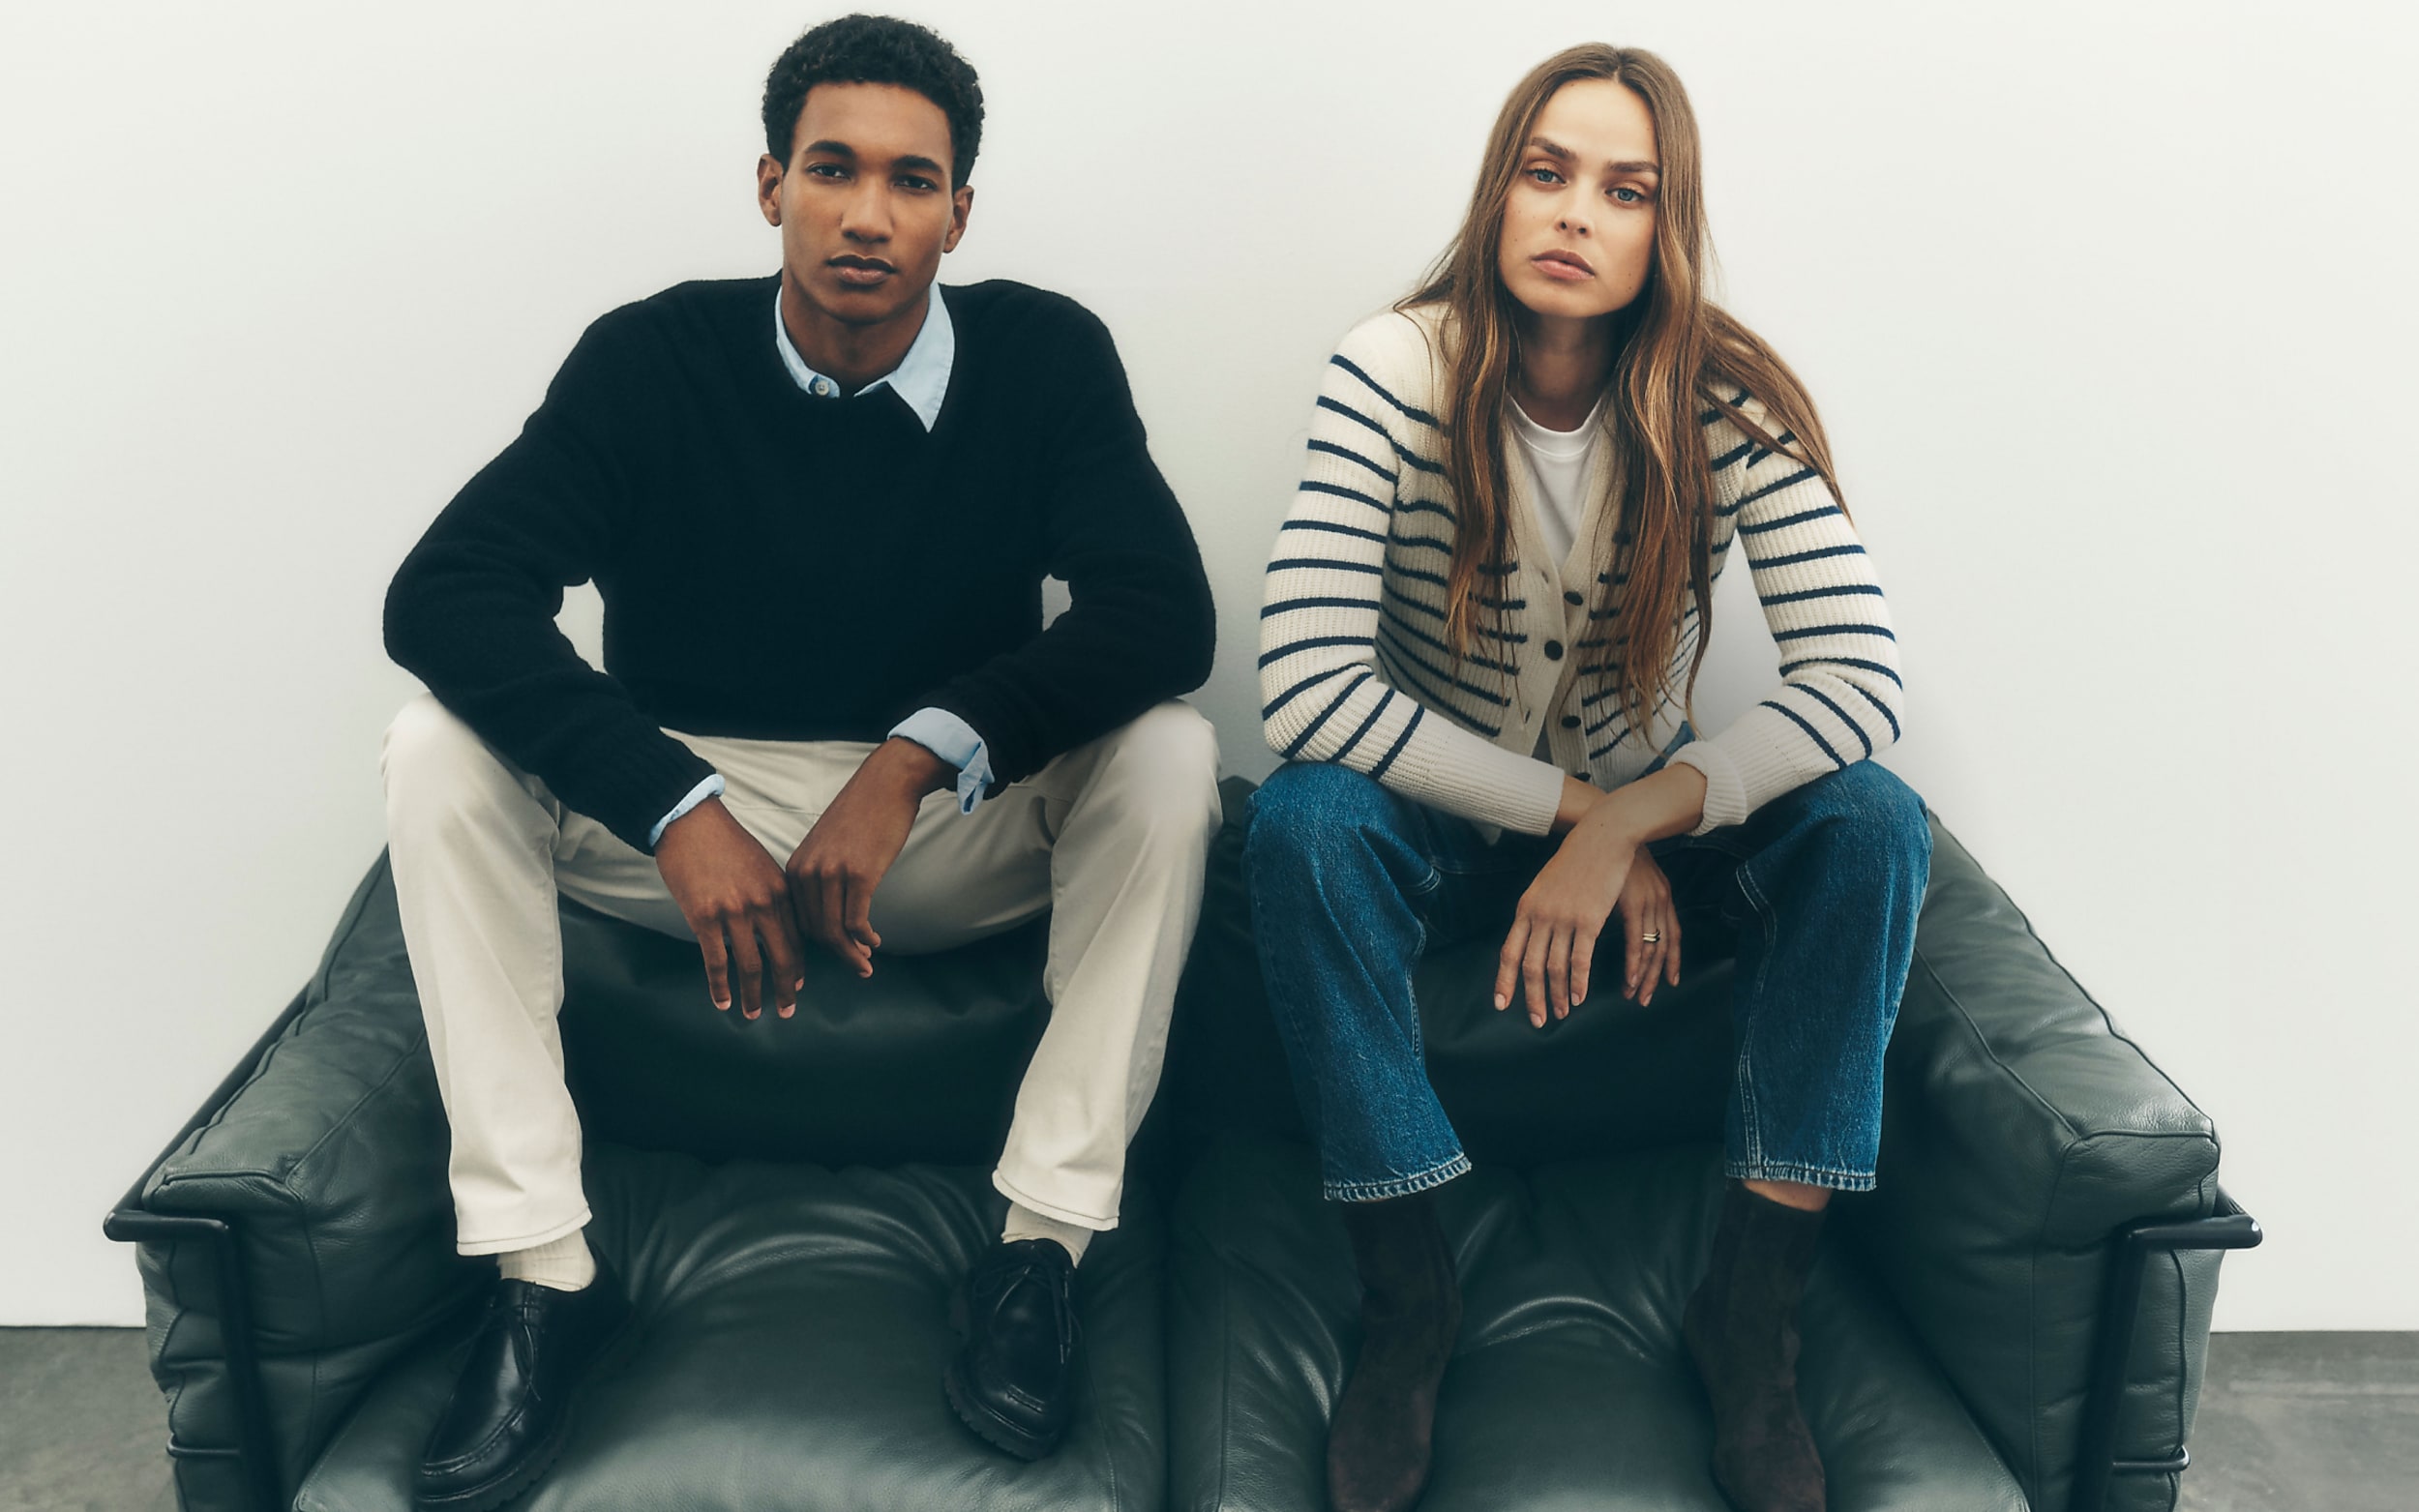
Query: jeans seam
point(1751, 1133)
point(1451, 1166)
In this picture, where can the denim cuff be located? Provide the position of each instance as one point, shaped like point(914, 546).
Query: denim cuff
point(1397, 1186)
point(1802, 1175)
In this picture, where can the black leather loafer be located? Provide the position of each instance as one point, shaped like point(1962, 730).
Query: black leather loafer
point(511, 1409)
point(1014, 1382)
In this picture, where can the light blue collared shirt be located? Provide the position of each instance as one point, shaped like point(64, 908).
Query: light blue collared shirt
point(922, 380)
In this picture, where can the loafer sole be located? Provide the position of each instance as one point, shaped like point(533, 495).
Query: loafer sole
point(994, 1430)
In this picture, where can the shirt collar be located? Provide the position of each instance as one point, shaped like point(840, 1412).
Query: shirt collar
point(922, 377)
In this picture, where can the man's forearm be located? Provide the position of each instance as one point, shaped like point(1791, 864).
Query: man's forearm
point(900, 765)
point(1119, 648)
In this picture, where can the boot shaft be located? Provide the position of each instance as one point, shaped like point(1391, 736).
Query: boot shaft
point(1406, 1268)
point(1763, 1253)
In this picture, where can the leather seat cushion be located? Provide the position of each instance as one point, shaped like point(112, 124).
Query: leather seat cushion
point(1569, 1380)
point(791, 1327)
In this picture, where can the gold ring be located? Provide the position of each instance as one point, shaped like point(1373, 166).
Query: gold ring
point(1651, 937)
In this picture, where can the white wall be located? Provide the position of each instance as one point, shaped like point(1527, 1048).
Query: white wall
point(2109, 315)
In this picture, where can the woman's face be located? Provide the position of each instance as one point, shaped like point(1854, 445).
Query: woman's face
point(1579, 222)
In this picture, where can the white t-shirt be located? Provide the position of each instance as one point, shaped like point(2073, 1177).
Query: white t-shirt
point(1558, 466)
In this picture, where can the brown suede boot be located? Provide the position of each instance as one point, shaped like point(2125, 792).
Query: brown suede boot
point(1378, 1441)
point(1742, 1332)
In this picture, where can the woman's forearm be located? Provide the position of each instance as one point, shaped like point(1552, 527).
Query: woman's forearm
point(1670, 802)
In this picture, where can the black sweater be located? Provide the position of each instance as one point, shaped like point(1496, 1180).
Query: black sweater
point(780, 567)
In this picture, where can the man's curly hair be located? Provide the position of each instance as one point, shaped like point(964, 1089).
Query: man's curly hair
point(876, 50)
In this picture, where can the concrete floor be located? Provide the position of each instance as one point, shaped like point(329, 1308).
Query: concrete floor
point(2294, 1421)
point(82, 1429)
point(2290, 1422)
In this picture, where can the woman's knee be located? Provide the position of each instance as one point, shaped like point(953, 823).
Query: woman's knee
point(1311, 797)
point(1875, 813)
point(1313, 815)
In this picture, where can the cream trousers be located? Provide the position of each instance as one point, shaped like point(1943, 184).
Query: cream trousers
point(1110, 838)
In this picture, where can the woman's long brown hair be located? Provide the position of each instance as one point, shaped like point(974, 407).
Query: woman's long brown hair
point(1676, 355)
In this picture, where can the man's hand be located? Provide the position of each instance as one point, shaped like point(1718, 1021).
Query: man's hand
point(835, 870)
point(737, 905)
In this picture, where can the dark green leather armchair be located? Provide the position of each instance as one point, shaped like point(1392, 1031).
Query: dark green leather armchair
point(2015, 1320)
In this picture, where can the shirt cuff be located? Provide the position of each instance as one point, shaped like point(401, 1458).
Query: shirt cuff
point(954, 741)
point(711, 787)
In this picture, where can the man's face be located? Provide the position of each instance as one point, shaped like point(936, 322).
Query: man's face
point(864, 205)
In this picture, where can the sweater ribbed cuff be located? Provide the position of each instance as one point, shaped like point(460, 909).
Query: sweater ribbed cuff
point(1725, 799)
point(1748, 765)
point(628, 790)
point(1483, 781)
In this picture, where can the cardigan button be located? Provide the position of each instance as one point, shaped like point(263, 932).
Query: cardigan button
point(1570, 722)
point(1571, 598)
point(1553, 650)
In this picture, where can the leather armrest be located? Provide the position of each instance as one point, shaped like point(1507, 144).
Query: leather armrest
point(2020, 1129)
point(329, 1163)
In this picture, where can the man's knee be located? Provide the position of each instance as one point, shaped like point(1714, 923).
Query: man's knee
point(434, 765)
point(1170, 737)
point(423, 735)
point(1175, 752)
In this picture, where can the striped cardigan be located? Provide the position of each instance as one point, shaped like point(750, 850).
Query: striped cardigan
point(1353, 660)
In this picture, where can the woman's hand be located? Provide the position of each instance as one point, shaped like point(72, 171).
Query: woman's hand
point(1553, 933)
point(1652, 925)
point(1603, 862)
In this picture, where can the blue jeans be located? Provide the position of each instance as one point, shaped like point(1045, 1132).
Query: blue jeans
point(1816, 895)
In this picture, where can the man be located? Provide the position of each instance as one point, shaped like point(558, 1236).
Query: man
point(819, 508)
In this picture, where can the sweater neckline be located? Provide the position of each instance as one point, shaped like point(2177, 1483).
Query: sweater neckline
point(764, 358)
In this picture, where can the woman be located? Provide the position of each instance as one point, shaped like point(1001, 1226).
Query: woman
point(1482, 624)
